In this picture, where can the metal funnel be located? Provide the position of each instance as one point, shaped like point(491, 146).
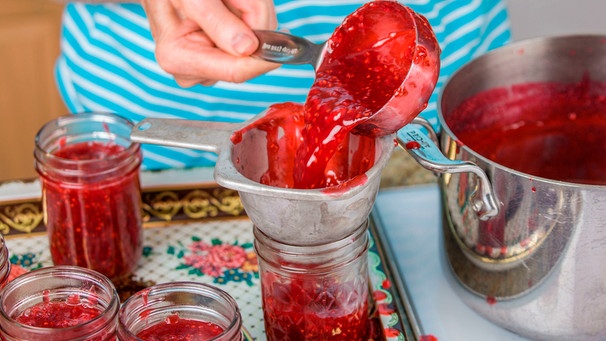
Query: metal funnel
point(296, 216)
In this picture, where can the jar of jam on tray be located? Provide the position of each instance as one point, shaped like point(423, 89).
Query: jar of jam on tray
point(5, 263)
point(60, 303)
point(180, 311)
point(89, 172)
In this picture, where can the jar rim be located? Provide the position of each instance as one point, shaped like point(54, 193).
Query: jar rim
point(98, 117)
point(88, 127)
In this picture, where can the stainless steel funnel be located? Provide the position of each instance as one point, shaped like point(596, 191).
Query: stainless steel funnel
point(298, 216)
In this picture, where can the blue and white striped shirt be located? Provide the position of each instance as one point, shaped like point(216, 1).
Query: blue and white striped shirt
point(107, 64)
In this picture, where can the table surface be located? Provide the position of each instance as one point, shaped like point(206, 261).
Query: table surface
point(411, 220)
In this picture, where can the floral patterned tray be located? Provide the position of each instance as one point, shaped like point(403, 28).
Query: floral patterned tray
point(201, 233)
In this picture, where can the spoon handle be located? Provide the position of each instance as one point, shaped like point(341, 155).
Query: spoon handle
point(284, 48)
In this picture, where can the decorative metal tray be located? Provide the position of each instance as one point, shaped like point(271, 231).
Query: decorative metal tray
point(201, 233)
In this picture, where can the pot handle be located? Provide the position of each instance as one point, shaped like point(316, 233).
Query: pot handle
point(424, 149)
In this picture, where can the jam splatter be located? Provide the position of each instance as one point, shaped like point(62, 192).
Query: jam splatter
point(412, 145)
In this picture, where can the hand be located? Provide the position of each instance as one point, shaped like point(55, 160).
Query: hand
point(205, 41)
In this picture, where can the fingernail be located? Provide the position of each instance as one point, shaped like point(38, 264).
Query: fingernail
point(243, 44)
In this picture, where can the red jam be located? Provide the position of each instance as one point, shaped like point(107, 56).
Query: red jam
point(58, 314)
point(178, 329)
point(94, 223)
point(305, 310)
point(320, 145)
point(283, 124)
point(551, 130)
point(367, 59)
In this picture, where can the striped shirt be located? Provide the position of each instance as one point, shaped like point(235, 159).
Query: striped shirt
point(107, 64)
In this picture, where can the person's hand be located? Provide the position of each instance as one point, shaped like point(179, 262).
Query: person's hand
point(205, 41)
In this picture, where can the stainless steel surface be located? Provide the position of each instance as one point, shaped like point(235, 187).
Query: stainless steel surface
point(416, 88)
point(539, 262)
point(300, 216)
point(284, 48)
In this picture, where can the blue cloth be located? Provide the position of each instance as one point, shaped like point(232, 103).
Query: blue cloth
point(107, 64)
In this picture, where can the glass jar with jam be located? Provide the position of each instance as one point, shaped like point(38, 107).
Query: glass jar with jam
point(180, 311)
point(60, 303)
point(89, 173)
point(5, 263)
point(315, 292)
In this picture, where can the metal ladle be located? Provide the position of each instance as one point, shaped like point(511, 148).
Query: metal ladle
point(417, 85)
point(284, 48)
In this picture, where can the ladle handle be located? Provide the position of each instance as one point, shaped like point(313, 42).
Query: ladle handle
point(426, 152)
point(284, 48)
point(192, 134)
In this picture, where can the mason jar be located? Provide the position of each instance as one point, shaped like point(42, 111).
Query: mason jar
point(315, 292)
point(59, 303)
point(5, 263)
point(180, 311)
point(89, 172)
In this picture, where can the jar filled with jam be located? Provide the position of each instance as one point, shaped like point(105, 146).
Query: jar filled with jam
point(5, 263)
point(180, 311)
point(61, 303)
point(315, 292)
point(89, 172)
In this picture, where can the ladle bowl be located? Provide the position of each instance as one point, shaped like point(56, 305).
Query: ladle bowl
point(423, 64)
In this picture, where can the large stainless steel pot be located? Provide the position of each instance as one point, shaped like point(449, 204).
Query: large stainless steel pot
point(546, 277)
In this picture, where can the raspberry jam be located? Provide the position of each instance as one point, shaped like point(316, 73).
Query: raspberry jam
point(178, 329)
point(315, 292)
point(58, 314)
point(550, 130)
point(283, 125)
point(300, 311)
point(367, 60)
point(180, 311)
point(90, 182)
point(59, 303)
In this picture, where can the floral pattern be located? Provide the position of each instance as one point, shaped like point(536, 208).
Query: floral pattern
point(223, 261)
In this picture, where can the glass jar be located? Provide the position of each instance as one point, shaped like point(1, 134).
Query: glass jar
point(5, 263)
point(89, 172)
point(60, 303)
point(315, 292)
point(182, 310)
